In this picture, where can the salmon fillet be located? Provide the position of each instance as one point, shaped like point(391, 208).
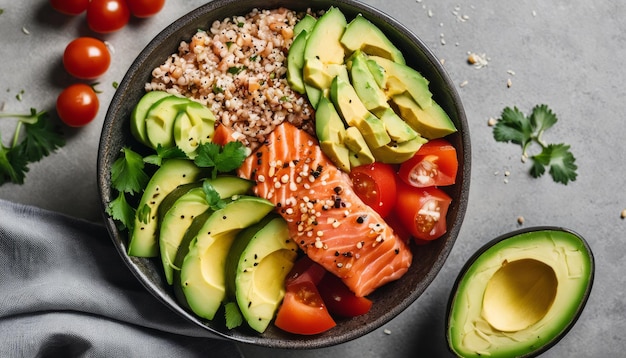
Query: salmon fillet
point(330, 223)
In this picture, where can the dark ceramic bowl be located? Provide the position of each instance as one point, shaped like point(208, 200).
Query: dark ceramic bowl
point(390, 300)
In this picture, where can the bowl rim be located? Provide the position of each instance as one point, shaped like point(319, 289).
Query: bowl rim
point(300, 342)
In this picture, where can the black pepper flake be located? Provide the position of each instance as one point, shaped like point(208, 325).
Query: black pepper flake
point(224, 217)
point(397, 251)
point(361, 219)
point(337, 253)
point(256, 264)
point(337, 190)
point(259, 161)
point(256, 256)
point(317, 172)
point(259, 154)
point(347, 254)
point(301, 242)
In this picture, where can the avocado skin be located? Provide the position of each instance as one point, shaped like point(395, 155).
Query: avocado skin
point(568, 305)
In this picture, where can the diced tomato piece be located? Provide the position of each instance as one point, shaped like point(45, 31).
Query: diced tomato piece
point(375, 184)
point(303, 311)
point(305, 269)
point(340, 300)
point(434, 164)
point(422, 211)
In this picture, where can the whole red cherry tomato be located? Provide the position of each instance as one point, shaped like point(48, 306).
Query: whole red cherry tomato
point(77, 105)
point(86, 58)
point(106, 16)
point(145, 8)
point(70, 7)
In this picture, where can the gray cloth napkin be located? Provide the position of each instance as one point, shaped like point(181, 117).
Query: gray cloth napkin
point(65, 292)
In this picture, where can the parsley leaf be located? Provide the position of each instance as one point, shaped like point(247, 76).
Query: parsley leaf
point(164, 153)
point(38, 140)
point(221, 159)
point(212, 197)
point(127, 174)
point(515, 127)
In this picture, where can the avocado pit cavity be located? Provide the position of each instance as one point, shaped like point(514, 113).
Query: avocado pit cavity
point(519, 294)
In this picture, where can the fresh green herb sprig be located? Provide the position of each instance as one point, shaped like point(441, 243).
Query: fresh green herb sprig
point(221, 159)
point(39, 138)
point(127, 177)
point(515, 127)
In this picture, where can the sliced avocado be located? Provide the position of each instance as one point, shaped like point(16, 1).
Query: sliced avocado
point(138, 116)
point(323, 42)
point(171, 174)
point(186, 135)
point(305, 24)
point(378, 73)
point(519, 294)
point(330, 131)
point(203, 271)
point(313, 94)
point(354, 113)
point(320, 75)
point(257, 265)
point(366, 86)
point(361, 34)
point(356, 143)
point(432, 122)
point(396, 127)
point(402, 78)
point(179, 216)
point(203, 118)
point(295, 62)
point(160, 121)
point(396, 153)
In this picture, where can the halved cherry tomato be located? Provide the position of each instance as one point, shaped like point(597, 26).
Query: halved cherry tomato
point(303, 311)
point(434, 164)
point(422, 211)
point(77, 105)
point(340, 300)
point(70, 7)
point(106, 16)
point(375, 184)
point(145, 8)
point(86, 58)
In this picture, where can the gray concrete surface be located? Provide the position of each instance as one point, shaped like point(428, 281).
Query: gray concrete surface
point(566, 54)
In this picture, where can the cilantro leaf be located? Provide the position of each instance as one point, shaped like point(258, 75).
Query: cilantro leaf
point(41, 138)
point(127, 174)
point(220, 159)
point(120, 210)
point(524, 130)
point(233, 315)
point(13, 167)
point(164, 153)
point(560, 160)
point(213, 198)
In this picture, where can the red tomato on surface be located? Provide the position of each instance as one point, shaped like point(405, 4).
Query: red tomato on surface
point(77, 105)
point(422, 211)
point(375, 184)
point(340, 300)
point(106, 16)
point(70, 7)
point(434, 164)
point(145, 8)
point(86, 58)
point(303, 311)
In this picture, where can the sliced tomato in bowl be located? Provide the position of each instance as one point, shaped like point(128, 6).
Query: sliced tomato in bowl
point(375, 184)
point(340, 300)
point(422, 211)
point(434, 164)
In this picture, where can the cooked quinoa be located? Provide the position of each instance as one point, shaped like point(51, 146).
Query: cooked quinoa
point(238, 69)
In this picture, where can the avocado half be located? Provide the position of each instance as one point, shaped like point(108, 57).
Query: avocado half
point(520, 293)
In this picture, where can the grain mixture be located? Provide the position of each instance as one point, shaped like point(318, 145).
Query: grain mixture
point(238, 69)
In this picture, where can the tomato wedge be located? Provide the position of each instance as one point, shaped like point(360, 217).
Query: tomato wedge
point(375, 184)
point(422, 211)
point(434, 164)
point(340, 300)
point(303, 310)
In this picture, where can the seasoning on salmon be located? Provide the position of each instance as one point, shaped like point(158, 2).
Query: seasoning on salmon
point(330, 223)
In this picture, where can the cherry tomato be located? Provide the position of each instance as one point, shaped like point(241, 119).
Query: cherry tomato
point(303, 311)
point(70, 7)
point(422, 211)
point(77, 105)
point(305, 269)
point(106, 16)
point(86, 58)
point(375, 184)
point(145, 8)
point(340, 300)
point(434, 164)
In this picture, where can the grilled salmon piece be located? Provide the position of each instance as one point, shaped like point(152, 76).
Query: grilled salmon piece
point(330, 223)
